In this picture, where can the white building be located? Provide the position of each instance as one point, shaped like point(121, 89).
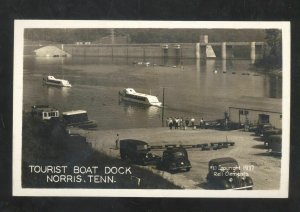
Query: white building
point(257, 110)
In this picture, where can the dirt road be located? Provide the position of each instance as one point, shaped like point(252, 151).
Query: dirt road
point(248, 151)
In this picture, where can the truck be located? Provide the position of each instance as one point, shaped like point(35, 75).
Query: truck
point(137, 151)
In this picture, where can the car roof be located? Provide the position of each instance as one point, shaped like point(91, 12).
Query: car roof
point(278, 137)
point(133, 141)
point(223, 160)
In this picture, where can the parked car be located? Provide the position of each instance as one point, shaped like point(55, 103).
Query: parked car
point(261, 128)
point(269, 132)
point(221, 124)
point(174, 159)
point(138, 152)
point(274, 144)
point(211, 124)
point(225, 174)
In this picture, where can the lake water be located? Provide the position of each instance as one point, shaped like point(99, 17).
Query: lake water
point(192, 88)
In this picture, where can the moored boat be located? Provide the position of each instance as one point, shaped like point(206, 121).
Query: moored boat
point(51, 80)
point(129, 94)
point(78, 118)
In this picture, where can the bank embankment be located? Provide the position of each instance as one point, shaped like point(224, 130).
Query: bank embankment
point(52, 158)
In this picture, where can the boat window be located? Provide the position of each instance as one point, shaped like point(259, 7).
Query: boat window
point(140, 98)
point(45, 114)
point(54, 81)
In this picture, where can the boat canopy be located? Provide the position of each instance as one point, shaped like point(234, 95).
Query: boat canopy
point(130, 91)
point(74, 112)
point(51, 78)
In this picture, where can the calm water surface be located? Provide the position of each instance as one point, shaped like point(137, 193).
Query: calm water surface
point(191, 90)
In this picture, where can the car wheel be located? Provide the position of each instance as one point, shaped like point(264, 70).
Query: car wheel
point(188, 169)
point(226, 185)
point(249, 181)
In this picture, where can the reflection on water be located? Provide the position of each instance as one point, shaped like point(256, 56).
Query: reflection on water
point(131, 109)
point(51, 91)
point(153, 111)
point(54, 91)
point(210, 65)
point(65, 92)
point(224, 68)
point(192, 88)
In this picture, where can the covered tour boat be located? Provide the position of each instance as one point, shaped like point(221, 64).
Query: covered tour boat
point(78, 118)
point(51, 80)
point(129, 94)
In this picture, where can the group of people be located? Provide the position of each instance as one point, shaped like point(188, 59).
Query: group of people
point(180, 123)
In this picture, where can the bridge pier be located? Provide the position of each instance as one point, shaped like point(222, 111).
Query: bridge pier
point(223, 51)
point(198, 55)
point(224, 68)
point(204, 49)
point(252, 51)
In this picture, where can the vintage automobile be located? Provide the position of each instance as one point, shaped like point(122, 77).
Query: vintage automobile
point(138, 152)
point(225, 173)
point(211, 124)
point(174, 159)
point(263, 127)
point(269, 132)
point(274, 144)
point(221, 124)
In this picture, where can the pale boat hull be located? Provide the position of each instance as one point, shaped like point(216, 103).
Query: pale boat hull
point(140, 102)
point(135, 98)
point(58, 85)
point(56, 82)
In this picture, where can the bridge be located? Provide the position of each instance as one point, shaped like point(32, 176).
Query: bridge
point(202, 50)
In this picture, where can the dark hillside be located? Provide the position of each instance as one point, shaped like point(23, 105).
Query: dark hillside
point(49, 144)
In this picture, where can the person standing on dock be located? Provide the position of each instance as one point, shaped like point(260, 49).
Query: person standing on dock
point(170, 123)
point(117, 141)
point(201, 123)
point(181, 123)
point(187, 122)
point(176, 123)
point(192, 122)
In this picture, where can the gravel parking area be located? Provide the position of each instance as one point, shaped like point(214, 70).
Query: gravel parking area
point(248, 151)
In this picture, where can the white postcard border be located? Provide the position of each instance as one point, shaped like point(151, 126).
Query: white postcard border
point(19, 27)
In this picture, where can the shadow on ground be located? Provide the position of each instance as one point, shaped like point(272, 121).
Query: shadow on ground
point(259, 146)
point(269, 154)
point(258, 139)
point(208, 186)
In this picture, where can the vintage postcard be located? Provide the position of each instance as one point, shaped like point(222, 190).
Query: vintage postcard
point(151, 109)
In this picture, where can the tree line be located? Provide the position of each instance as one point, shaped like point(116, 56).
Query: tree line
point(145, 35)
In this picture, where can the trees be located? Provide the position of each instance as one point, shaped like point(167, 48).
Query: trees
point(272, 58)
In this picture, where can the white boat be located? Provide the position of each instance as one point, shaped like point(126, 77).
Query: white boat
point(51, 80)
point(129, 94)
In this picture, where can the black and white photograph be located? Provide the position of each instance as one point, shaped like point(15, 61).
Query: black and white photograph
point(151, 109)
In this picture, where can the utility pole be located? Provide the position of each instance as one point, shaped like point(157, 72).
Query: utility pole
point(163, 109)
